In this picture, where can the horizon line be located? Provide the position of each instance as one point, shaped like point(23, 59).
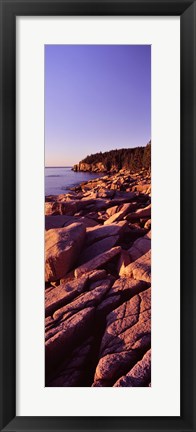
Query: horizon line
point(58, 166)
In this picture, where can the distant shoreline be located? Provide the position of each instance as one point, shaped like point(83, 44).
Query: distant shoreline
point(58, 167)
point(60, 180)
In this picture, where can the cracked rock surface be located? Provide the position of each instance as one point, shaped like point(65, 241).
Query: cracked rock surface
point(98, 283)
point(127, 337)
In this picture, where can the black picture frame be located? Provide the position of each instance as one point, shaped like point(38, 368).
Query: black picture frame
point(186, 9)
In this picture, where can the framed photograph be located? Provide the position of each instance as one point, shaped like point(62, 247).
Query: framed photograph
point(97, 217)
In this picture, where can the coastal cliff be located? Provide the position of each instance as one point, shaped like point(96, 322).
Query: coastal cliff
point(133, 159)
point(93, 167)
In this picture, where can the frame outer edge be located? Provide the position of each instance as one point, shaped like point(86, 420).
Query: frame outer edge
point(188, 216)
point(7, 216)
point(194, 233)
point(1, 222)
point(7, 254)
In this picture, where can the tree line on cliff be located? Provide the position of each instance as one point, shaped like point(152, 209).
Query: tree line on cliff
point(131, 158)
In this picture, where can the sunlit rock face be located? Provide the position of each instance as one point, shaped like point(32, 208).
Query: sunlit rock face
point(98, 281)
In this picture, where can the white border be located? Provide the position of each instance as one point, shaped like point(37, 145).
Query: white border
point(163, 399)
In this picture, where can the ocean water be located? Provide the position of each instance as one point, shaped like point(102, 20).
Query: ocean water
point(59, 180)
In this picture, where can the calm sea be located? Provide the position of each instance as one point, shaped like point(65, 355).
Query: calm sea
point(59, 180)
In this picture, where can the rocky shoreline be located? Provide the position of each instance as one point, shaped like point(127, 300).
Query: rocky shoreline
point(98, 279)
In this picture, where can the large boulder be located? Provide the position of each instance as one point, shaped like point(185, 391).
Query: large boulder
point(101, 231)
point(97, 248)
point(58, 221)
point(60, 208)
point(62, 247)
point(97, 262)
point(119, 215)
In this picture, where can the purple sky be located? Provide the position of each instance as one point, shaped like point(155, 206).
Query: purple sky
point(97, 98)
